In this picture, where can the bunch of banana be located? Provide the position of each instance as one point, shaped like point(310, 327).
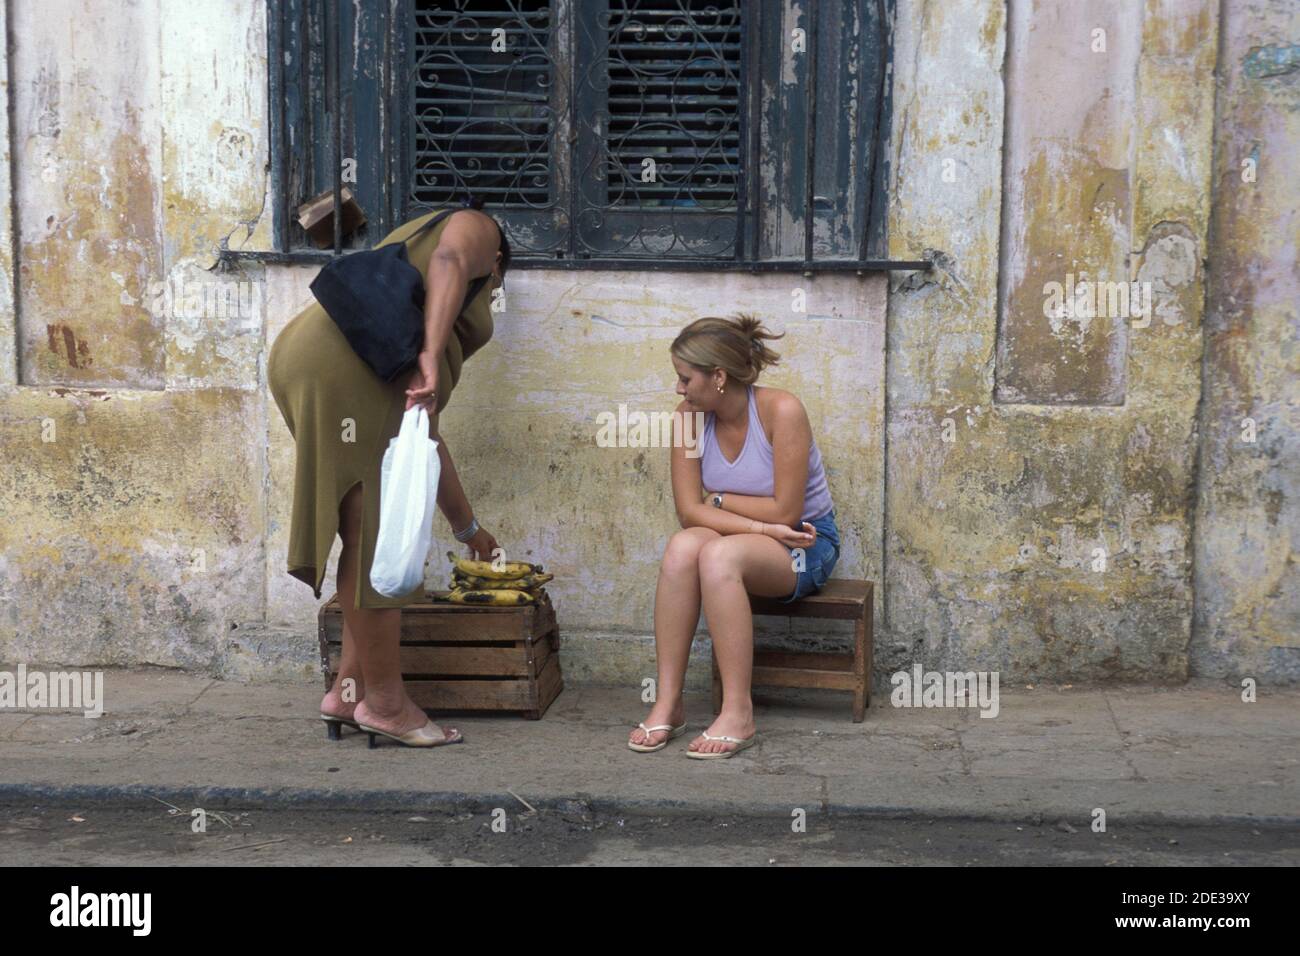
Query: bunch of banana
point(510, 570)
point(478, 582)
point(529, 582)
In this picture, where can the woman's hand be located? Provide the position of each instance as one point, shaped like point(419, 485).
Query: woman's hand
point(482, 545)
point(791, 538)
point(423, 387)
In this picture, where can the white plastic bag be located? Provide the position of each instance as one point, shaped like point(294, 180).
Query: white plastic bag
point(408, 492)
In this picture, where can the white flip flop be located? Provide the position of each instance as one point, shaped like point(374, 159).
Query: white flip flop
point(673, 732)
point(723, 754)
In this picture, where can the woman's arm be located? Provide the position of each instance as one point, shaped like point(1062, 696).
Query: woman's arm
point(791, 443)
point(466, 249)
point(455, 505)
point(451, 495)
point(751, 506)
point(688, 490)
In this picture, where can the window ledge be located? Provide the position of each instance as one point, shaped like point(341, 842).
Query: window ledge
point(322, 256)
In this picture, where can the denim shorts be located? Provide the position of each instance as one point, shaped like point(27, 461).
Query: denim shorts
point(819, 558)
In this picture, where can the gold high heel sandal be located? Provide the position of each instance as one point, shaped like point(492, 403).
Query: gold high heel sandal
point(334, 726)
point(419, 737)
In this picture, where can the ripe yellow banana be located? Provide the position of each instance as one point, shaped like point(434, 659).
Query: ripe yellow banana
point(484, 569)
point(471, 582)
point(508, 598)
point(503, 597)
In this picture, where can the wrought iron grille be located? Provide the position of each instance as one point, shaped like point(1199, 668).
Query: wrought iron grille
point(600, 133)
point(483, 116)
point(658, 163)
point(673, 106)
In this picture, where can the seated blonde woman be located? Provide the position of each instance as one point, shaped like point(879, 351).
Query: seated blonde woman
point(757, 481)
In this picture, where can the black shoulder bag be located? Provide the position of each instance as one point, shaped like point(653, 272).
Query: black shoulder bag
point(376, 298)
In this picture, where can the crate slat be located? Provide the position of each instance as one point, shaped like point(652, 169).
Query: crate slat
point(804, 677)
point(470, 694)
point(453, 660)
point(807, 659)
point(550, 682)
point(543, 648)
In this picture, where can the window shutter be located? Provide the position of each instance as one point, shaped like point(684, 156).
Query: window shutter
point(833, 92)
point(658, 83)
point(683, 132)
point(674, 104)
point(488, 114)
point(482, 117)
point(319, 37)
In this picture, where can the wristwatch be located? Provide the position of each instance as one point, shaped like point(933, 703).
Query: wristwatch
point(717, 500)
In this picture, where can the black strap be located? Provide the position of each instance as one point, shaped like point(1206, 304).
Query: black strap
point(423, 229)
point(477, 284)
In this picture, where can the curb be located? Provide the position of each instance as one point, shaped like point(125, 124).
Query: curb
point(12, 794)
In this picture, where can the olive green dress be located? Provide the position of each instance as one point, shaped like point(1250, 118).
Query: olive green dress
point(342, 416)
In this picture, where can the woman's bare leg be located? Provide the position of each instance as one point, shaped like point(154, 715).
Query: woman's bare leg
point(376, 634)
point(337, 702)
point(350, 660)
point(677, 612)
point(732, 568)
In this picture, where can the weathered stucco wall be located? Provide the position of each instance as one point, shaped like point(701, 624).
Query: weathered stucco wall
point(134, 430)
point(1029, 532)
point(1248, 508)
point(146, 479)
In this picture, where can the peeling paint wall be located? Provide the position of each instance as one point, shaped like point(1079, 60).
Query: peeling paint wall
point(1067, 205)
point(1027, 531)
point(86, 192)
point(1248, 506)
point(1051, 526)
point(133, 424)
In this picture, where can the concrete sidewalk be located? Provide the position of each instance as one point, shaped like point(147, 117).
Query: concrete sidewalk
point(1195, 753)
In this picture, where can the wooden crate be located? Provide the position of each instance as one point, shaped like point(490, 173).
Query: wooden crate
point(841, 599)
point(458, 658)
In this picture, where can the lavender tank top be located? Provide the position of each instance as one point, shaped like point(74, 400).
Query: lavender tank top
point(753, 472)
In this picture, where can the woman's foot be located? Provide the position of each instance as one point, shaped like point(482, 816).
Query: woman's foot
point(726, 725)
point(409, 718)
point(334, 705)
point(663, 712)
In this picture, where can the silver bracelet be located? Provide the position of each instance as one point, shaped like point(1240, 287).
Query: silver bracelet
point(466, 534)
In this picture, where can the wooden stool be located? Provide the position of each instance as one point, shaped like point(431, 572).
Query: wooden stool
point(458, 657)
point(841, 599)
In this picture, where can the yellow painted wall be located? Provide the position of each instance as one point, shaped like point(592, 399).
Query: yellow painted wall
point(146, 471)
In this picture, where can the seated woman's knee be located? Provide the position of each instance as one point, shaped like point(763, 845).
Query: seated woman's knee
point(721, 559)
point(683, 551)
